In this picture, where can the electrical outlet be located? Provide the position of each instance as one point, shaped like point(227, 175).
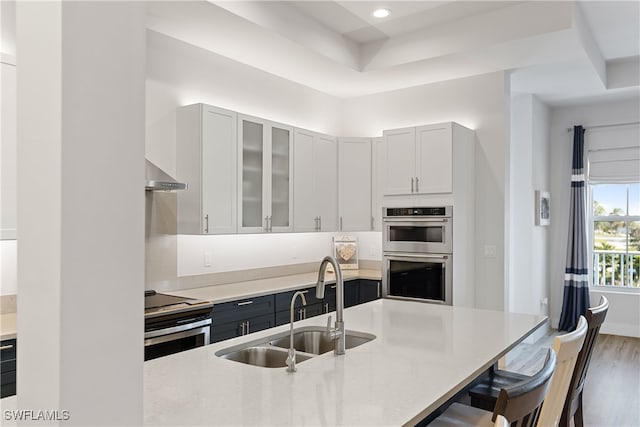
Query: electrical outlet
point(490, 251)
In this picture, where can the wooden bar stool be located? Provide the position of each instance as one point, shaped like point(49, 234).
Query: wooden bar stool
point(518, 404)
point(484, 395)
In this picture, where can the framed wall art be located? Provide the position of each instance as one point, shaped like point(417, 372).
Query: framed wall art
point(543, 210)
point(346, 252)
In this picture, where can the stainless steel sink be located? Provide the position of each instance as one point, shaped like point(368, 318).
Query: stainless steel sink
point(271, 352)
point(315, 341)
point(267, 357)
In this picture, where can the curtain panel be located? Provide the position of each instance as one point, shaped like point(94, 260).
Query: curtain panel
point(576, 276)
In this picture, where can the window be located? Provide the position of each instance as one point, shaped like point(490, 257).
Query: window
point(616, 234)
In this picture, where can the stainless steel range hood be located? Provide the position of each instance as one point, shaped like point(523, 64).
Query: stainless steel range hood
point(159, 180)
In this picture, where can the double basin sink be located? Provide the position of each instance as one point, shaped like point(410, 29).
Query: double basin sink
point(271, 352)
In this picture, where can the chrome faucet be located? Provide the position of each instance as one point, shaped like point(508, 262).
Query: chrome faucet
point(336, 333)
point(291, 356)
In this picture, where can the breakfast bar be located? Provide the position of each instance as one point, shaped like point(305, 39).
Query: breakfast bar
point(423, 354)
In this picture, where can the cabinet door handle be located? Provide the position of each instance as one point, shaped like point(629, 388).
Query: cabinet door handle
point(266, 223)
point(417, 185)
point(340, 223)
point(247, 327)
point(326, 307)
point(379, 289)
point(206, 224)
point(373, 223)
point(319, 223)
point(270, 223)
point(315, 222)
point(242, 329)
point(6, 347)
point(245, 303)
point(412, 184)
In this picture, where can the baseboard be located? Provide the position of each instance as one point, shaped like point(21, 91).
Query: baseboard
point(612, 328)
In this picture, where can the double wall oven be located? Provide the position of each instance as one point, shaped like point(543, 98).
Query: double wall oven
point(418, 253)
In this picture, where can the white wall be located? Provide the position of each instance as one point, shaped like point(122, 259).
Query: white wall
point(479, 103)
point(246, 251)
point(8, 265)
point(529, 157)
point(623, 317)
point(180, 74)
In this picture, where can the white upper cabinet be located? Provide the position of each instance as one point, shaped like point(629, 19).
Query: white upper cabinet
point(399, 167)
point(355, 175)
point(315, 181)
point(434, 167)
point(265, 167)
point(206, 160)
point(377, 179)
point(419, 160)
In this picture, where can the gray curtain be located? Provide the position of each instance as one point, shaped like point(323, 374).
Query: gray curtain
point(576, 273)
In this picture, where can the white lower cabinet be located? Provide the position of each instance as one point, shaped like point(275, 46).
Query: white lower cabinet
point(315, 181)
point(354, 176)
point(206, 161)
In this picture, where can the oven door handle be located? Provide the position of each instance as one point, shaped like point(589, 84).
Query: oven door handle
point(176, 329)
point(402, 255)
point(179, 335)
point(409, 219)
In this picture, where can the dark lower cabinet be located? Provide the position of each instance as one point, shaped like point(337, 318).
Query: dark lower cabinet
point(241, 327)
point(300, 313)
point(8, 356)
point(351, 293)
point(236, 318)
point(369, 290)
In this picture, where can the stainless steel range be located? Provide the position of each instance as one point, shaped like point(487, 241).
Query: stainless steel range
point(173, 324)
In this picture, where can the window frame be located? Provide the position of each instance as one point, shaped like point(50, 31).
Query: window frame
point(592, 219)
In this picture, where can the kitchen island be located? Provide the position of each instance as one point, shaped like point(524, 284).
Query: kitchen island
point(422, 356)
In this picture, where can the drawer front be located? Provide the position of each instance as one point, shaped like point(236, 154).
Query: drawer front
point(8, 349)
point(242, 309)
point(283, 299)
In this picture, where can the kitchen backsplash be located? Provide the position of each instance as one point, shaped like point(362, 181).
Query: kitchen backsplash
point(249, 251)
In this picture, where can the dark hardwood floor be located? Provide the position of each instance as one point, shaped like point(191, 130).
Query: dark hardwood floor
point(611, 395)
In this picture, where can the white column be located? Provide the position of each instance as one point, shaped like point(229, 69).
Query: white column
point(80, 203)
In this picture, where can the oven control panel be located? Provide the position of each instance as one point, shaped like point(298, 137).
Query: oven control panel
point(423, 211)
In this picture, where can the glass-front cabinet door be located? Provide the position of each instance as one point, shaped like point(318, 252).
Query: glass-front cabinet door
point(281, 157)
point(265, 167)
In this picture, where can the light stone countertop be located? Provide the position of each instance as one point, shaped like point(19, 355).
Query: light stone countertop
point(255, 288)
point(8, 329)
point(423, 354)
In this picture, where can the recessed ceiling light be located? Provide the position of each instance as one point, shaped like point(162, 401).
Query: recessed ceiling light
point(381, 13)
